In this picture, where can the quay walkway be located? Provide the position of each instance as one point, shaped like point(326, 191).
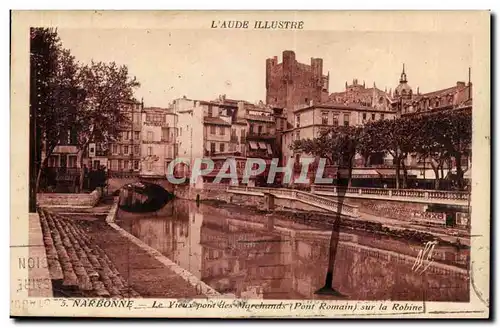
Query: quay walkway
point(460, 198)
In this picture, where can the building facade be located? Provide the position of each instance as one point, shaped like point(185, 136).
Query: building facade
point(309, 121)
point(125, 153)
point(225, 128)
point(158, 140)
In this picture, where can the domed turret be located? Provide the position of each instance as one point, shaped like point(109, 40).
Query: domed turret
point(403, 90)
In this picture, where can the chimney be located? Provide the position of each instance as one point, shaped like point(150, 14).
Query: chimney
point(460, 84)
point(241, 110)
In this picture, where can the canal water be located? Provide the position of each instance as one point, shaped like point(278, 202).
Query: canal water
point(251, 255)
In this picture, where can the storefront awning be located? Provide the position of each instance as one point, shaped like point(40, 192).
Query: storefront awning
point(262, 145)
point(253, 145)
point(365, 173)
point(269, 149)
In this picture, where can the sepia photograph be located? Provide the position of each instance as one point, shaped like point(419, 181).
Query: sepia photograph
point(251, 165)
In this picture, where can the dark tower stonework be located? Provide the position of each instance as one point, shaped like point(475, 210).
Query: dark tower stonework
point(291, 83)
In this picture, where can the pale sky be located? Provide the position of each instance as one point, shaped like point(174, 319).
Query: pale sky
point(202, 64)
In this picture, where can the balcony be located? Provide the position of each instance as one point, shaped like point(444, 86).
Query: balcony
point(263, 118)
point(262, 135)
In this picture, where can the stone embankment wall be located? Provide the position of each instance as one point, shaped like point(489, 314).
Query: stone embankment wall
point(218, 194)
point(69, 200)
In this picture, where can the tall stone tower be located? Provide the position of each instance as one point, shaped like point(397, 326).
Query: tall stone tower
point(291, 83)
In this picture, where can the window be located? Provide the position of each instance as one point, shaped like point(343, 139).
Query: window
point(346, 119)
point(136, 135)
point(297, 120)
point(71, 161)
point(209, 110)
point(150, 151)
point(125, 150)
point(165, 134)
point(54, 161)
point(222, 130)
point(324, 118)
point(126, 165)
point(335, 119)
point(136, 165)
point(150, 166)
point(120, 149)
point(136, 149)
point(364, 116)
point(150, 136)
point(251, 128)
point(128, 135)
point(243, 132)
point(260, 129)
point(221, 147)
point(373, 116)
point(114, 164)
point(120, 164)
point(212, 129)
point(212, 147)
point(124, 135)
point(297, 135)
point(381, 116)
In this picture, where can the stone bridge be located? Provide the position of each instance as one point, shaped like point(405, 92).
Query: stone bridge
point(115, 182)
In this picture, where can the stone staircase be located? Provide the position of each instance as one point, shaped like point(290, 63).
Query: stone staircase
point(77, 266)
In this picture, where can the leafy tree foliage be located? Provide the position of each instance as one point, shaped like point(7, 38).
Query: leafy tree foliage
point(437, 137)
point(88, 99)
point(54, 91)
point(108, 92)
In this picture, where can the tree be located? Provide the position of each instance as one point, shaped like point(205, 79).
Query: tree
point(454, 133)
point(108, 91)
point(429, 146)
point(395, 137)
point(322, 146)
point(53, 92)
point(337, 144)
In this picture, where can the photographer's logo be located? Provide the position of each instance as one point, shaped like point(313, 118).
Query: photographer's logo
point(424, 258)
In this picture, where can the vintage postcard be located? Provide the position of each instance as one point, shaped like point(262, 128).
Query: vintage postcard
point(270, 164)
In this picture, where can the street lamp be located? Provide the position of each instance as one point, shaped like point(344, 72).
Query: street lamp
point(342, 183)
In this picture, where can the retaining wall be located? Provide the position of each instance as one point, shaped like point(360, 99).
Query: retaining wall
point(69, 200)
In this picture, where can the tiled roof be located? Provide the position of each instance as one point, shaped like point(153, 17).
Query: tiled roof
point(77, 266)
point(215, 120)
point(452, 90)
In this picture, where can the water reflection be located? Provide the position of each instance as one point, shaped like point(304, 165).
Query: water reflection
point(259, 257)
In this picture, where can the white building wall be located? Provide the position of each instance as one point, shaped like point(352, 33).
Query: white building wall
point(189, 129)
